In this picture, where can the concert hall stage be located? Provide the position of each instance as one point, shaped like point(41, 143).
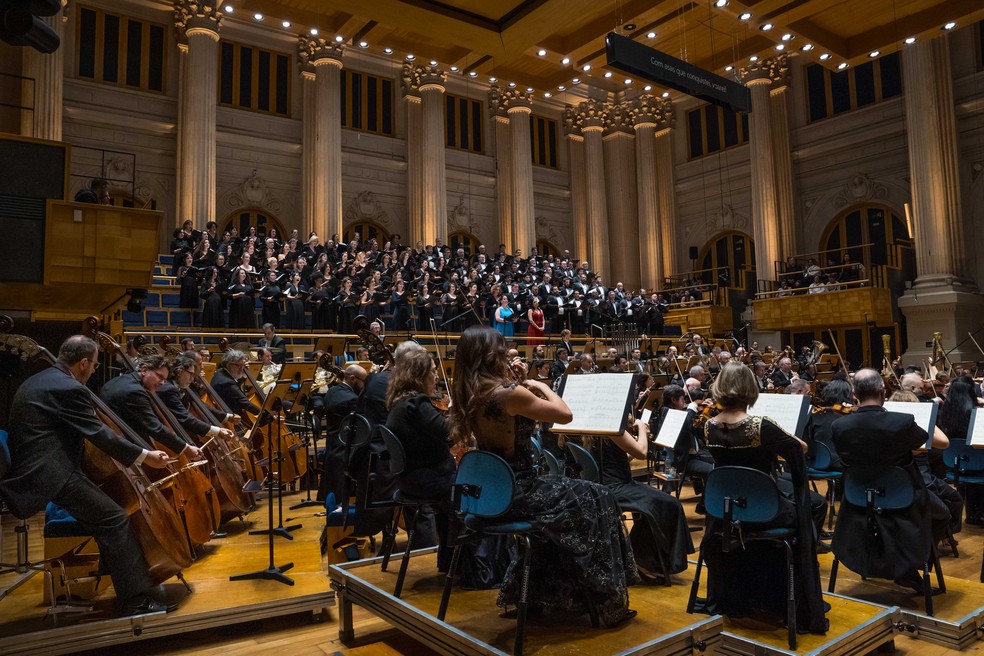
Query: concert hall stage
point(662, 626)
point(215, 601)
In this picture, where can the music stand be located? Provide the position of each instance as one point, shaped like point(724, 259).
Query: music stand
point(273, 572)
point(299, 405)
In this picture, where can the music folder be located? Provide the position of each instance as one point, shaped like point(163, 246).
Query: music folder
point(975, 432)
point(923, 413)
point(600, 403)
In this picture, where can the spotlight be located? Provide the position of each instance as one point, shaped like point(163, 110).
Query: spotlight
point(787, 37)
point(228, 9)
point(363, 44)
point(410, 57)
point(780, 47)
point(949, 26)
point(433, 63)
point(766, 27)
point(841, 66)
point(720, 4)
point(388, 51)
point(729, 68)
point(547, 94)
point(909, 41)
point(666, 94)
point(339, 38)
point(286, 23)
point(472, 74)
point(745, 16)
point(608, 74)
point(651, 35)
point(258, 16)
point(825, 56)
point(541, 52)
point(561, 87)
point(628, 81)
point(313, 31)
point(512, 85)
point(576, 80)
point(628, 27)
point(873, 54)
point(493, 79)
point(753, 58)
point(454, 69)
point(565, 61)
point(529, 89)
point(586, 68)
point(648, 87)
point(807, 47)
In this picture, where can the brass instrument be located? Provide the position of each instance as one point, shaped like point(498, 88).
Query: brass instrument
point(888, 372)
point(818, 348)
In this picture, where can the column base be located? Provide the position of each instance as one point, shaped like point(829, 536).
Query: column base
point(954, 310)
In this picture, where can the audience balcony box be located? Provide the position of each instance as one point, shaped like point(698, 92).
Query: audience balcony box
point(718, 318)
point(846, 307)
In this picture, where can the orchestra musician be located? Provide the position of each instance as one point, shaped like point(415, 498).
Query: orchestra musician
point(183, 370)
point(340, 401)
point(274, 342)
point(51, 416)
point(227, 380)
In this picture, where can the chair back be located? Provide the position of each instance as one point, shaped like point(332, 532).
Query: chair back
point(397, 456)
point(537, 449)
point(4, 454)
point(554, 467)
point(741, 494)
point(485, 485)
point(819, 456)
point(878, 487)
point(354, 431)
point(586, 461)
point(962, 458)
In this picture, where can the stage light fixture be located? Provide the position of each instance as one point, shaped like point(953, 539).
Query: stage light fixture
point(910, 40)
point(541, 52)
point(745, 16)
point(767, 27)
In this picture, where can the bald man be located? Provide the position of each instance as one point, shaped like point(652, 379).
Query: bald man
point(340, 401)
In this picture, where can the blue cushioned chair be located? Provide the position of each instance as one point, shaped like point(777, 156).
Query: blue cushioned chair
point(482, 495)
point(397, 463)
point(966, 465)
point(746, 501)
point(818, 463)
point(880, 489)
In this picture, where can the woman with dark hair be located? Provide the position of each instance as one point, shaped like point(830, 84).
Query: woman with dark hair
point(187, 274)
point(954, 420)
point(750, 579)
point(242, 311)
point(584, 546)
point(424, 433)
point(838, 400)
point(212, 315)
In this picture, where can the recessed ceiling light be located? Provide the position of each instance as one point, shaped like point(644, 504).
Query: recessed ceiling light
point(363, 44)
point(873, 54)
point(228, 9)
point(258, 16)
point(910, 40)
point(628, 27)
point(388, 51)
point(410, 57)
point(454, 69)
point(314, 32)
point(949, 26)
point(807, 47)
point(608, 74)
point(565, 61)
point(666, 94)
point(766, 27)
point(576, 80)
point(541, 52)
point(433, 63)
point(529, 89)
point(729, 68)
point(286, 23)
point(648, 87)
point(745, 16)
point(512, 85)
point(493, 79)
point(628, 81)
point(780, 47)
point(561, 87)
point(586, 68)
point(472, 74)
point(753, 58)
point(841, 66)
point(720, 3)
point(547, 94)
point(787, 37)
point(825, 56)
point(651, 35)
point(339, 38)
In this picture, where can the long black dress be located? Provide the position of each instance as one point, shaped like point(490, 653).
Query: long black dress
point(295, 306)
point(583, 545)
point(212, 311)
point(666, 537)
point(189, 288)
point(271, 304)
point(242, 313)
point(752, 579)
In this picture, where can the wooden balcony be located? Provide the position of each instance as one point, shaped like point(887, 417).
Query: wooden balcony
point(856, 306)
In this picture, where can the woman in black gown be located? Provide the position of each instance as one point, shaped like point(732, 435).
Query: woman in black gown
point(348, 304)
point(271, 298)
point(582, 545)
point(295, 294)
point(212, 311)
point(320, 304)
point(750, 579)
point(242, 311)
point(189, 284)
point(400, 307)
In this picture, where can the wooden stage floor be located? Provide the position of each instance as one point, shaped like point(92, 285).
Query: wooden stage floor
point(215, 601)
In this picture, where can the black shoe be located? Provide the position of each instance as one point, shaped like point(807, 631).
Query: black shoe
point(823, 547)
point(142, 604)
point(623, 619)
point(915, 583)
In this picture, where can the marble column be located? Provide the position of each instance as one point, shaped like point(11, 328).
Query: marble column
point(199, 20)
point(622, 194)
point(783, 166)
point(649, 113)
point(519, 106)
point(326, 57)
point(503, 166)
point(427, 82)
point(943, 298)
point(667, 202)
point(579, 201)
point(309, 138)
point(47, 72)
point(415, 189)
point(759, 77)
point(593, 125)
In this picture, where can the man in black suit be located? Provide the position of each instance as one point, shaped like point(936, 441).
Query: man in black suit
point(340, 401)
point(783, 375)
point(51, 416)
point(225, 382)
point(274, 342)
point(873, 436)
point(129, 396)
point(172, 393)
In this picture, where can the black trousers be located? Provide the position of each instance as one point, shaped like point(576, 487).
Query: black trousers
point(108, 524)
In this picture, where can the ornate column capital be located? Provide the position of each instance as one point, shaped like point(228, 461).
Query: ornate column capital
point(772, 70)
point(572, 122)
point(618, 118)
point(648, 110)
point(504, 100)
point(314, 50)
point(416, 78)
point(591, 114)
point(197, 16)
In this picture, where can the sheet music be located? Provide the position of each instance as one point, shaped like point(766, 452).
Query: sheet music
point(669, 431)
point(599, 403)
point(975, 433)
point(923, 413)
point(789, 411)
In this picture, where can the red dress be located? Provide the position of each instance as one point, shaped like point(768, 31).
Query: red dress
point(533, 331)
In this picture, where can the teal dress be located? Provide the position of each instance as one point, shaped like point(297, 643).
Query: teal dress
point(507, 328)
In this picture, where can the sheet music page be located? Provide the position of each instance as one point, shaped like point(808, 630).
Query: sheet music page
point(923, 413)
point(599, 403)
point(789, 411)
point(975, 434)
point(669, 431)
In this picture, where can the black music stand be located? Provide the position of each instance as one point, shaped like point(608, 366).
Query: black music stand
point(299, 406)
point(273, 572)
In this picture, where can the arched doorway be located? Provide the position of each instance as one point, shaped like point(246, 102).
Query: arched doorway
point(727, 259)
point(251, 217)
point(867, 231)
point(544, 247)
point(367, 230)
point(465, 240)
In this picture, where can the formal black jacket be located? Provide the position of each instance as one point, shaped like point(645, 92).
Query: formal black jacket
point(279, 346)
point(172, 398)
point(228, 388)
point(51, 416)
point(340, 401)
point(423, 432)
point(375, 397)
point(126, 396)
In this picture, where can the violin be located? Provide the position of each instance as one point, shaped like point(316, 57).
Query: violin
point(839, 408)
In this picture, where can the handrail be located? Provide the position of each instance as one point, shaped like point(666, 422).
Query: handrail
point(804, 291)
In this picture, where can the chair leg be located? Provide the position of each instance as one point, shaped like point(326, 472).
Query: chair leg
point(927, 589)
point(939, 571)
point(790, 597)
point(389, 538)
point(406, 554)
point(832, 493)
point(695, 586)
point(448, 581)
point(524, 543)
point(833, 575)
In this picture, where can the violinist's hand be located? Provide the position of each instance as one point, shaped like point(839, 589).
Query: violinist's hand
point(769, 384)
point(532, 385)
point(193, 452)
point(518, 368)
point(642, 429)
point(157, 459)
point(236, 418)
point(226, 433)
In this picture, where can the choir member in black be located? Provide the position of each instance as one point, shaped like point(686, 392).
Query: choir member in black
point(271, 296)
point(51, 417)
point(348, 303)
point(340, 401)
point(451, 304)
point(470, 301)
point(424, 434)
point(226, 383)
point(750, 579)
point(295, 293)
point(129, 396)
point(400, 307)
point(212, 310)
point(320, 304)
point(369, 301)
point(425, 303)
point(274, 342)
point(187, 275)
point(242, 311)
